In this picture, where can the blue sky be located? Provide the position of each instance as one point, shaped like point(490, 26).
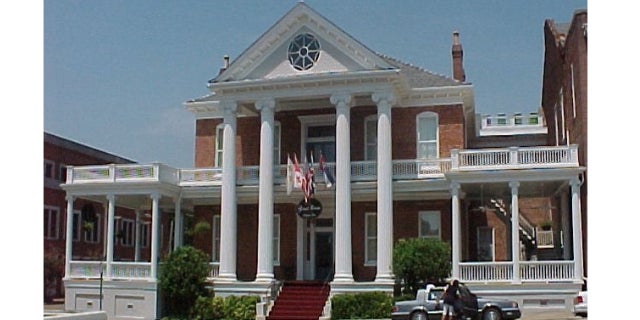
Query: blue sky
point(116, 73)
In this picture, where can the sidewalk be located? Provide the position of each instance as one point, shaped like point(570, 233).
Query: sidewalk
point(548, 315)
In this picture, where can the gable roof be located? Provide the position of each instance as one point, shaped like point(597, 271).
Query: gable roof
point(342, 54)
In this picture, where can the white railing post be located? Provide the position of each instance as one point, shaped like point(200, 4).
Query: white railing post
point(513, 156)
point(455, 156)
point(112, 172)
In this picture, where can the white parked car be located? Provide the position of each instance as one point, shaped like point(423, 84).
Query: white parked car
point(580, 302)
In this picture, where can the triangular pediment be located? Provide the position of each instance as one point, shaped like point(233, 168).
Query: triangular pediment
point(302, 43)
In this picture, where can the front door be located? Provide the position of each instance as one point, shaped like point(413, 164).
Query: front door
point(324, 255)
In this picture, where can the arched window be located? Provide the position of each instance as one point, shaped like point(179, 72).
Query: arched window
point(427, 135)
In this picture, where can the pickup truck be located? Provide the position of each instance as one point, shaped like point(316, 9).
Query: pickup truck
point(427, 306)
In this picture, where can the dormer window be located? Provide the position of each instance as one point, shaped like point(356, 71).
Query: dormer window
point(304, 51)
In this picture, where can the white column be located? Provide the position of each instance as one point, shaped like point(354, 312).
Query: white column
point(343, 267)
point(566, 226)
point(69, 240)
point(137, 234)
point(515, 231)
point(455, 231)
point(110, 232)
point(265, 196)
point(177, 225)
point(228, 205)
point(155, 234)
point(384, 273)
point(576, 215)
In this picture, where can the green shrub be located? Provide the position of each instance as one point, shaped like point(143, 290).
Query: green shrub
point(419, 260)
point(240, 308)
point(205, 308)
point(404, 297)
point(182, 280)
point(369, 305)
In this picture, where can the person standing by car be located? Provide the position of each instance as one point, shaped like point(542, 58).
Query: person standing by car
point(449, 298)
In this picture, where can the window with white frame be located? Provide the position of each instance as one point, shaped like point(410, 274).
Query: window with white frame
point(276, 143)
point(219, 140)
point(429, 224)
point(49, 169)
point(485, 244)
point(127, 232)
point(144, 234)
point(427, 135)
point(371, 137)
point(77, 228)
point(92, 229)
point(371, 238)
point(276, 239)
point(51, 222)
point(216, 238)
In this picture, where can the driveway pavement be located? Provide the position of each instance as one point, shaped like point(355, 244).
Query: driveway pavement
point(548, 315)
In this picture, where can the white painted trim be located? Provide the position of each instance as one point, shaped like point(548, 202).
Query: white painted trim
point(435, 213)
point(428, 114)
point(276, 252)
point(371, 118)
point(367, 237)
point(53, 213)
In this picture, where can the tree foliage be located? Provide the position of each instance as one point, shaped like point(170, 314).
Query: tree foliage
point(182, 279)
point(417, 260)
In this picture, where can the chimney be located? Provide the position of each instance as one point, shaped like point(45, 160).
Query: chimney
point(225, 65)
point(456, 53)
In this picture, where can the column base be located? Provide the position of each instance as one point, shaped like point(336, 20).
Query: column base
point(264, 277)
point(229, 277)
point(342, 278)
point(385, 278)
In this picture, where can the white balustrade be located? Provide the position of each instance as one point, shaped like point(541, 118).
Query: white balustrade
point(544, 238)
point(547, 270)
point(214, 269)
point(87, 269)
point(515, 158)
point(486, 271)
point(131, 270)
point(460, 160)
point(531, 271)
point(200, 177)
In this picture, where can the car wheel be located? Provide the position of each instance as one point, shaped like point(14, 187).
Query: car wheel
point(491, 314)
point(418, 315)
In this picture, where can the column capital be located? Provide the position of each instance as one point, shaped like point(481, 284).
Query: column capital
point(576, 182)
point(155, 196)
point(341, 100)
point(383, 97)
point(69, 198)
point(265, 105)
point(514, 185)
point(455, 188)
point(111, 197)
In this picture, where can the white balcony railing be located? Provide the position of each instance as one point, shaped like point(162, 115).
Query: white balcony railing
point(531, 271)
point(155, 172)
point(119, 270)
point(514, 158)
point(460, 160)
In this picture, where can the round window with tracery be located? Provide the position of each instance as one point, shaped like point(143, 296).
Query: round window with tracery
point(304, 51)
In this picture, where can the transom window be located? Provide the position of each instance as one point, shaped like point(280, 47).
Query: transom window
point(427, 127)
point(429, 224)
point(304, 51)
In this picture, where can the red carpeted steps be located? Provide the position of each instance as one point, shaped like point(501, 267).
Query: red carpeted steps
point(300, 301)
